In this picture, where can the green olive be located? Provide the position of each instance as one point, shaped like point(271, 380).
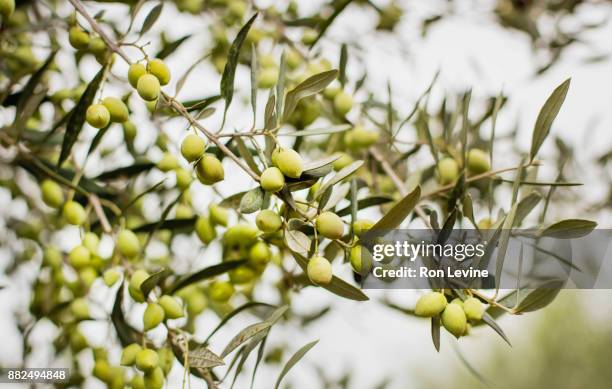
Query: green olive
point(343, 103)
point(192, 147)
point(474, 309)
point(118, 110)
point(454, 319)
point(205, 229)
point(272, 180)
point(158, 68)
point(136, 71)
point(128, 244)
point(478, 161)
point(319, 270)
point(268, 221)
point(289, 162)
point(97, 116)
point(78, 38)
point(153, 315)
point(210, 170)
point(52, 193)
point(172, 307)
point(448, 171)
point(147, 360)
point(431, 304)
point(148, 87)
point(330, 225)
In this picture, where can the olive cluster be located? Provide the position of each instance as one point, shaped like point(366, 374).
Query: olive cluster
point(454, 315)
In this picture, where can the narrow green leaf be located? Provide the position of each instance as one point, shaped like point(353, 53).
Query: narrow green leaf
point(396, 215)
point(254, 67)
point(126, 334)
point(341, 175)
point(366, 203)
point(525, 206)
point(540, 297)
point(503, 244)
point(252, 201)
point(77, 117)
point(207, 272)
point(28, 90)
point(342, 64)
point(227, 80)
point(568, 229)
point(546, 117)
point(435, 332)
point(154, 279)
point(308, 87)
point(151, 18)
point(203, 358)
point(126, 171)
point(246, 154)
point(280, 86)
point(253, 330)
point(488, 320)
point(171, 47)
point(295, 358)
point(235, 312)
point(318, 131)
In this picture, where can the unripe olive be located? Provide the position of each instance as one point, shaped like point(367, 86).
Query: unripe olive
point(136, 71)
point(153, 315)
point(268, 221)
point(88, 276)
point(221, 291)
point(259, 254)
point(343, 103)
point(309, 36)
point(129, 131)
point(205, 230)
point(267, 78)
point(147, 360)
point(210, 170)
point(148, 87)
point(137, 382)
point(52, 256)
point(7, 7)
point(134, 285)
point(97, 46)
point(361, 259)
point(431, 304)
point(111, 276)
point(128, 355)
point(192, 147)
point(52, 193)
point(454, 320)
point(166, 358)
point(293, 59)
point(289, 162)
point(91, 242)
point(331, 92)
point(172, 307)
point(242, 234)
point(362, 226)
point(196, 303)
point(272, 180)
point(167, 163)
point(448, 171)
point(78, 38)
point(457, 301)
point(102, 370)
point(78, 341)
point(218, 214)
point(183, 211)
point(363, 138)
point(128, 243)
point(485, 223)
point(79, 257)
point(118, 110)
point(474, 309)
point(158, 68)
point(319, 270)
point(478, 161)
point(154, 379)
point(183, 178)
point(237, 8)
point(343, 161)
point(80, 309)
point(241, 275)
point(97, 116)
point(330, 225)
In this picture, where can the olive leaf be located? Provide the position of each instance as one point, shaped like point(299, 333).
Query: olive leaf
point(169, 48)
point(154, 279)
point(546, 117)
point(396, 215)
point(227, 79)
point(435, 332)
point(308, 87)
point(253, 330)
point(151, 18)
point(503, 244)
point(168, 224)
point(246, 154)
point(76, 120)
point(28, 90)
point(526, 205)
point(203, 358)
point(568, 229)
point(235, 312)
point(371, 201)
point(127, 335)
point(297, 242)
point(126, 171)
point(318, 131)
point(341, 175)
point(488, 320)
point(295, 358)
point(540, 297)
point(252, 201)
point(207, 272)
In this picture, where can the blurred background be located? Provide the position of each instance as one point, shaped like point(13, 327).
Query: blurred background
point(368, 345)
